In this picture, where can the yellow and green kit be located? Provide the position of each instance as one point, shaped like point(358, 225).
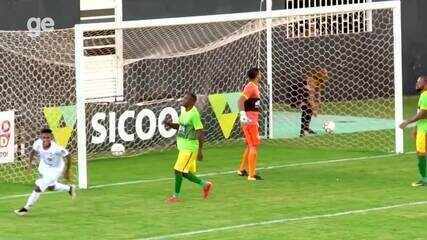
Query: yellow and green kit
point(421, 141)
point(187, 142)
point(188, 145)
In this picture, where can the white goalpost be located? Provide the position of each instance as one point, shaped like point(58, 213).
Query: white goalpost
point(129, 76)
point(398, 80)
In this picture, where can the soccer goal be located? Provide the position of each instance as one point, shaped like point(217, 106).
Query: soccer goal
point(339, 64)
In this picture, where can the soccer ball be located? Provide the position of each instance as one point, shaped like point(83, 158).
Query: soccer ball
point(117, 149)
point(329, 126)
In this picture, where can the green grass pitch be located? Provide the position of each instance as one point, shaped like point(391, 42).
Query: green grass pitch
point(307, 194)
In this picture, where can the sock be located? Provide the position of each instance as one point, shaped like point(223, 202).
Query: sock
point(32, 199)
point(252, 161)
point(422, 164)
point(62, 187)
point(178, 183)
point(190, 176)
point(244, 161)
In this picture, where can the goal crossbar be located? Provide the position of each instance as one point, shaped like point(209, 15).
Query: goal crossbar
point(237, 16)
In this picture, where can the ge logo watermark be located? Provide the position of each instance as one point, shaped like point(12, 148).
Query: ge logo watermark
point(37, 25)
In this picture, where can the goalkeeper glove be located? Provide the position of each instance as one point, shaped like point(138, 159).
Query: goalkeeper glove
point(244, 118)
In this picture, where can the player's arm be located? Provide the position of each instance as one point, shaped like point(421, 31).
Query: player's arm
point(414, 133)
point(33, 152)
point(201, 137)
point(241, 103)
point(198, 126)
point(30, 160)
point(169, 123)
point(68, 164)
point(421, 114)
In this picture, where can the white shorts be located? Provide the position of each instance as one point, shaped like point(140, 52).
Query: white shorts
point(49, 177)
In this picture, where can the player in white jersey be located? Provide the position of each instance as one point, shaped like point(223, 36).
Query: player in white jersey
point(51, 168)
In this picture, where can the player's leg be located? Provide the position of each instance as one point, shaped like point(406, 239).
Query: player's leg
point(421, 145)
point(253, 140)
point(32, 199)
point(244, 163)
point(71, 189)
point(252, 161)
point(306, 115)
point(61, 187)
point(180, 165)
point(206, 185)
point(189, 173)
point(422, 166)
point(41, 185)
point(185, 166)
point(422, 170)
point(193, 178)
point(249, 151)
point(309, 118)
point(303, 127)
point(178, 182)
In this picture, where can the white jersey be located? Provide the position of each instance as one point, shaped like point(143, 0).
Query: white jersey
point(51, 158)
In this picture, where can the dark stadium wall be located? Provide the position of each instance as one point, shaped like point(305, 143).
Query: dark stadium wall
point(15, 14)
point(137, 9)
point(414, 41)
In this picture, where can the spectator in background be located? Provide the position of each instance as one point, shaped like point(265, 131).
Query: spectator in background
point(309, 97)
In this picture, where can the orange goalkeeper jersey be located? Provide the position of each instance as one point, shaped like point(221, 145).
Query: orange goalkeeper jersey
point(252, 103)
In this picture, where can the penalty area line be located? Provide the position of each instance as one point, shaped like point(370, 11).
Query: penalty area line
point(284, 221)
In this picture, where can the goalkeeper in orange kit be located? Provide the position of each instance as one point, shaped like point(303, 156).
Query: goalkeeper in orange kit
point(249, 105)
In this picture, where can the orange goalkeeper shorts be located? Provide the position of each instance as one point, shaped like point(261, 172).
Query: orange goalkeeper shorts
point(251, 132)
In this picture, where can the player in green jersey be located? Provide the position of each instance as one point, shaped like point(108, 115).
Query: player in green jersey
point(421, 131)
point(190, 143)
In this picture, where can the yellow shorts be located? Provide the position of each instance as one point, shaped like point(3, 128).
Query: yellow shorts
point(421, 142)
point(186, 161)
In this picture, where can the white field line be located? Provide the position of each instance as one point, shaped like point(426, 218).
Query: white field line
point(22, 195)
point(220, 173)
point(283, 221)
point(261, 168)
